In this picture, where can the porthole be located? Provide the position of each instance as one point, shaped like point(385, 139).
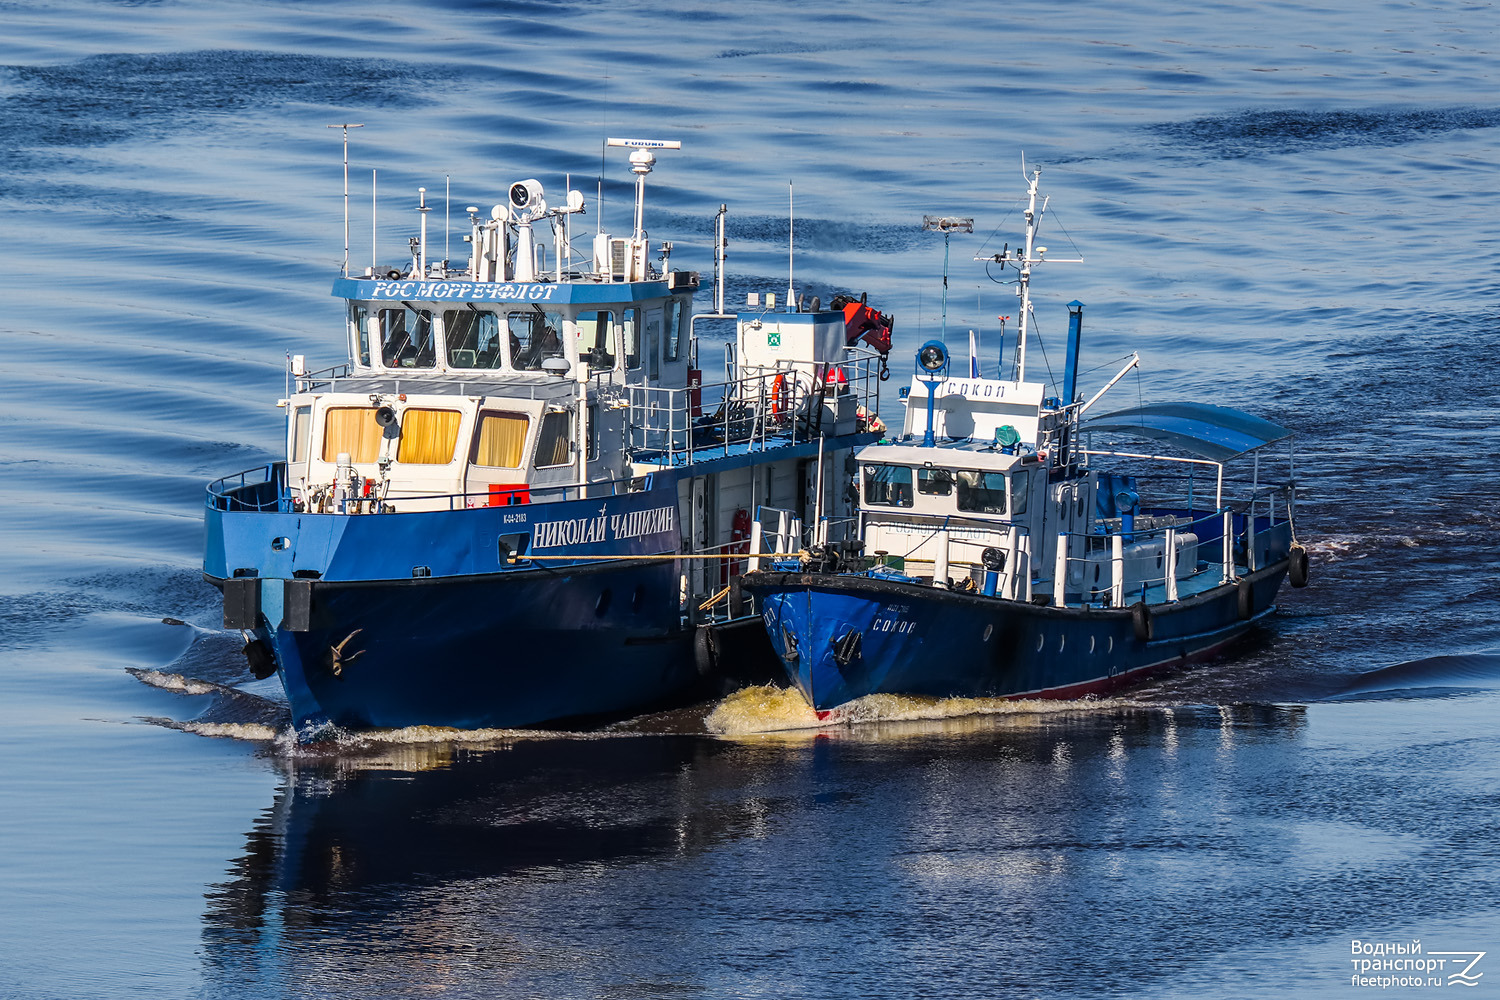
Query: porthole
point(280, 543)
point(1041, 641)
point(601, 607)
point(988, 630)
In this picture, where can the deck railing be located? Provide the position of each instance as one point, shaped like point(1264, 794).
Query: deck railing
point(1000, 558)
point(763, 408)
point(264, 488)
point(1236, 539)
point(260, 488)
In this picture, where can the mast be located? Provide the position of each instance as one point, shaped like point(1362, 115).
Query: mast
point(947, 226)
point(1024, 258)
point(346, 126)
point(1028, 258)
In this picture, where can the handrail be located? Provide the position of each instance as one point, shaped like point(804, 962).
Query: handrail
point(1223, 528)
point(765, 407)
point(222, 493)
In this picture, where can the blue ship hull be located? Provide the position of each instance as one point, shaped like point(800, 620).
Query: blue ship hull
point(408, 619)
point(511, 649)
point(916, 639)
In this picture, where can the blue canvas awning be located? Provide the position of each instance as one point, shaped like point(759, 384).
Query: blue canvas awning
point(1217, 433)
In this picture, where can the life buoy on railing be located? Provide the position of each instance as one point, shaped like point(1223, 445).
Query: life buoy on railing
point(776, 387)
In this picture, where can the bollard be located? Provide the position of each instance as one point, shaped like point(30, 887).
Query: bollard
point(940, 562)
point(1060, 572)
point(1228, 546)
point(755, 530)
point(1117, 571)
point(1169, 562)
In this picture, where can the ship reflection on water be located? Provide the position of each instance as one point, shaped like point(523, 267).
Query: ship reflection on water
point(628, 865)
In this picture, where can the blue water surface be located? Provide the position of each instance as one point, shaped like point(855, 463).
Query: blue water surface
point(1285, 208)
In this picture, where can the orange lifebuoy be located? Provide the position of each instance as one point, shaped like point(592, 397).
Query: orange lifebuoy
point(776, 395)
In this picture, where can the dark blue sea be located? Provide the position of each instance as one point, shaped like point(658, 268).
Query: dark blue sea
point(1286, 207)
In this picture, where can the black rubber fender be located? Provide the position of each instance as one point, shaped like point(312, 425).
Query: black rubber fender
point(262, 663)
point(789, 651)
point(705, 656)
point(1296, 571)
point(847, 648)
point(1246, 596)
point(1140, 620)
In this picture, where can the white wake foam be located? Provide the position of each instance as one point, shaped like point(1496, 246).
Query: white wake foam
point(770, 709)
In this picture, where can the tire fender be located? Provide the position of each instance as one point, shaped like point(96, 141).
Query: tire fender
point(705, 655)
point(1246, 598)
point(1140, 620)
point(1297, 566)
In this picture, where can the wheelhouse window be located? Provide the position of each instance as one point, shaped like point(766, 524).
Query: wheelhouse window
point(594, 330)
point(675, 329)
point(535, 337)
point(428, 437)
point(552, 440)
point(359, 321)
point(301, 442)
point(632, 330)
point(653, 343)
point(406, 339)
point(934, 482)
point(981, 492)
point(352, 430)
point(888, 485)
point(1020, 485)
point(472, 338)
point(502, 440)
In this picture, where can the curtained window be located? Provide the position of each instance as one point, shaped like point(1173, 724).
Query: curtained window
point(502, 440)
point(552, 441)
point(351, 429)
point(428, 437)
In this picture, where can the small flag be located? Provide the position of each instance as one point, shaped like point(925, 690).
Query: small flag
point(973, 356)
